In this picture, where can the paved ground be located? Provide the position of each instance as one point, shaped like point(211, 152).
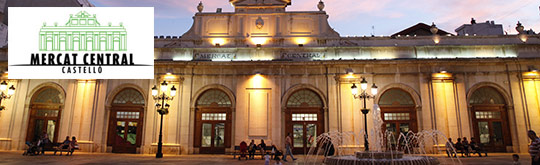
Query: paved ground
point(15, 157)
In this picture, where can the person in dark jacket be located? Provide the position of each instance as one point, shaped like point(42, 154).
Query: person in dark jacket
point(262, 147)
point(251, 149)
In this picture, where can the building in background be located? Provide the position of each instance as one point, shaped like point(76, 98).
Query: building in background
point(480, 29)
point(261, 72)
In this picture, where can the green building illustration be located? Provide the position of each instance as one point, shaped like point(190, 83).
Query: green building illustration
point(82, 33)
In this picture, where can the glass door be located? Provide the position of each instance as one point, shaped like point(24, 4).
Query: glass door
point(126, 128)
point(304, 137)
point(490, 129)
point(213, 138)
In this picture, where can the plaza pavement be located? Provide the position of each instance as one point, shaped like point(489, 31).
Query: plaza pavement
point(15, 157)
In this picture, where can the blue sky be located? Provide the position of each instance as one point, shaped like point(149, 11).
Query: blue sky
point(357, 17)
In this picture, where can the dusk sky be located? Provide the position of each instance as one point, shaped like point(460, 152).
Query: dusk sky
point(356, 17)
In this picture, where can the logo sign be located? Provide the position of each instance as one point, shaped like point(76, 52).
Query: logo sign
point(81, 43)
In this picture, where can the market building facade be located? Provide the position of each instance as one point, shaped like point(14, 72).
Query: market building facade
point(262, 72)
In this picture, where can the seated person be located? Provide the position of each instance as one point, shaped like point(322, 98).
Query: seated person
point(477, 147)
point(243, 150)
point(65, 144)
point(277, 154)
point(261, 147)
point(251, 149)
point(460, 147)
point(73, 145)
point(450, 148)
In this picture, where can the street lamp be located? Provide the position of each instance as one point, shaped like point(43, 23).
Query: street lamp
point(162, 109)
point(364, 95)
point(10, 92)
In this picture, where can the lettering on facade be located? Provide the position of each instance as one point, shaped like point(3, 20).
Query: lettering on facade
point(214, 56)
point(302, 56)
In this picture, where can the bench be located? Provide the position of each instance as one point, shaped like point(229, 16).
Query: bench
point(472, 151)
point(55, 147)
point(268, 150)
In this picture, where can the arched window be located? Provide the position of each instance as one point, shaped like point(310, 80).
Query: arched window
point(129, 96)
point(396, 97)
point(486, 95)
point(304, 98)
point(214, 98)
point(48, 95)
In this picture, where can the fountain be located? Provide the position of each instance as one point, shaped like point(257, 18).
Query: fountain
point(344, 148)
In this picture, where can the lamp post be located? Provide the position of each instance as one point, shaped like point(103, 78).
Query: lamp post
point(162, 109)
point(10, 92)
point(364, 95)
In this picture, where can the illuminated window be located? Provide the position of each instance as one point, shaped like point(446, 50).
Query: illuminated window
point(486, 95)
point(396, 97)
point(127, 115)
point(214, 116)
point(129, 95)
point(47, 113)
point(304, 98)
point(304, 117)
point(214, 97)
point(49, 95)
point(488, 115)
point(397, 116)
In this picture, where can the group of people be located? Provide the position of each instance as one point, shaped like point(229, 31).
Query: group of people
point(252, 148)
point(464, 146)
point(37, 147)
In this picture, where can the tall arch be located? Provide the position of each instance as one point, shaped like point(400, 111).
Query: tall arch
point(126, 105)
point(489, 106)
point(415, 96)
point(297, 87)
point(45, 106)
point(304, 113)
point(227, 91)
point(213, 107)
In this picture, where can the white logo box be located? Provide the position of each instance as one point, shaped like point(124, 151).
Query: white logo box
point(110, 43)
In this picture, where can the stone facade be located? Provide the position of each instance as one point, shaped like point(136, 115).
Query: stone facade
point(298, 51)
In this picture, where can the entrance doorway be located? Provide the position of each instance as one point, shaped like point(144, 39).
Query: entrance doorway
point(398, 114)
point(213, 122)
point(304, 119)
point(45, 112)
point(126, 121)
point(490, 120)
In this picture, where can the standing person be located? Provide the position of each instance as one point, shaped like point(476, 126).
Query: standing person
point(262, 147)
point(288, 148)
point(534, 148)
point(251, 149)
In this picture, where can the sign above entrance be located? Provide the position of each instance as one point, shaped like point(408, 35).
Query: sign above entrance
point(214, 56)
point(302, 56)
point(81, 43)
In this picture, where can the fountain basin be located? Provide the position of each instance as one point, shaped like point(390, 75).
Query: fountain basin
point(407, 160)
point(379, 155)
